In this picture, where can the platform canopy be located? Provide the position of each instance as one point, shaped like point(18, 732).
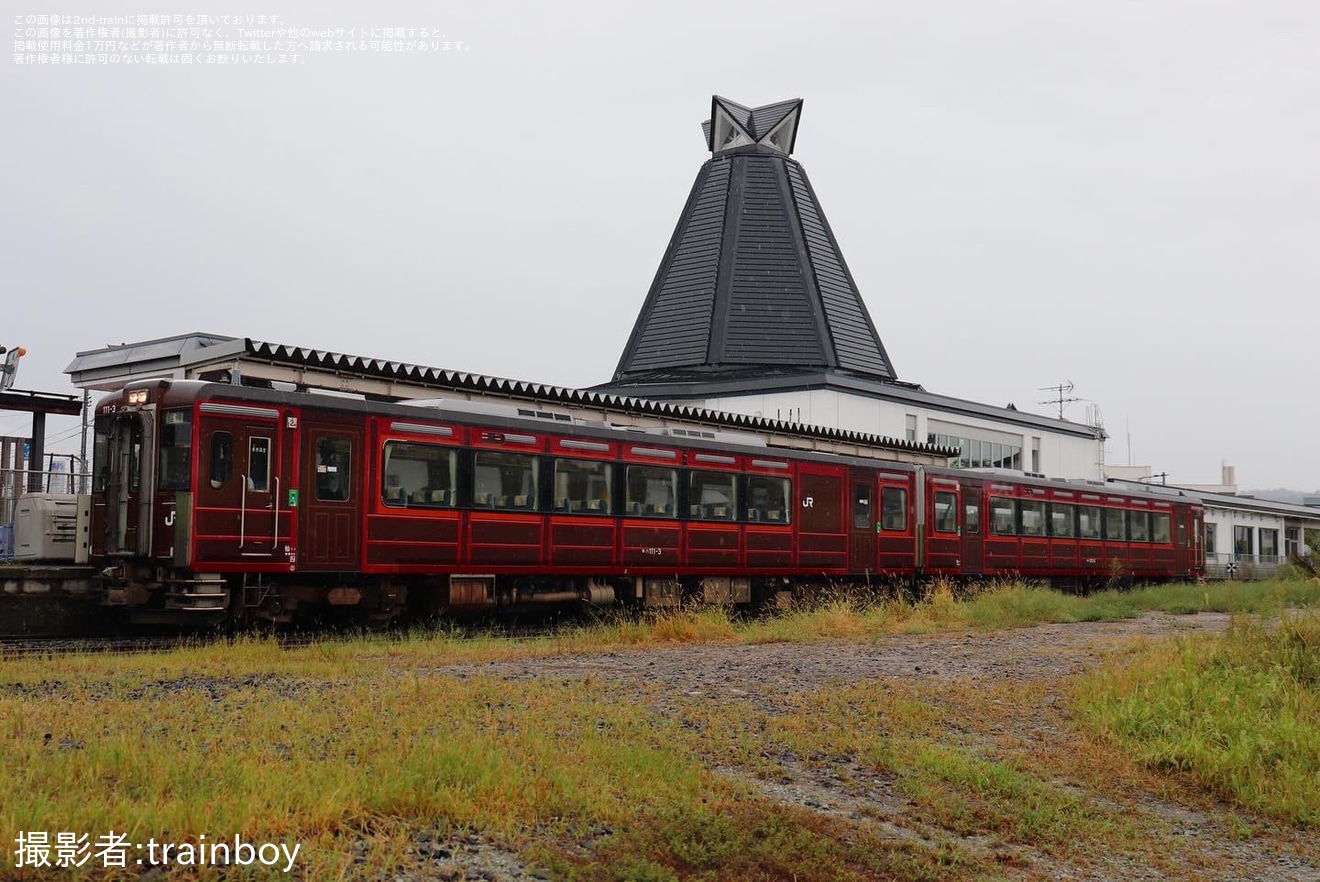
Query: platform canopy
point(753, 281)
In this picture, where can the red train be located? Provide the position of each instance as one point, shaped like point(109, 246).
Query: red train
point(213, 500)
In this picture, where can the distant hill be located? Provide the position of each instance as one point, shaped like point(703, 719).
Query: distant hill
point(1281, 494)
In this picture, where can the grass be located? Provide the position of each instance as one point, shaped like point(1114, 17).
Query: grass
point(352, 746)
point(536, 765)
point(1239, 713)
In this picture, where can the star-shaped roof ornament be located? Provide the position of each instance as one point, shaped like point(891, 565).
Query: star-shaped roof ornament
point(733, 125)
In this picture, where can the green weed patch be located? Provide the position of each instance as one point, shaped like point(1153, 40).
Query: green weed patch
point(1239, 713)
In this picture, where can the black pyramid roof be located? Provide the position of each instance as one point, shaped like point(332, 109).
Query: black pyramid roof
point(753, 282)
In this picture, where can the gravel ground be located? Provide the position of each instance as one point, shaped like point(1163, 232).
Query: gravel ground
point(1043, 657)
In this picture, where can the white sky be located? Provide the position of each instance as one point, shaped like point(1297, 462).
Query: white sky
point(1123, 194)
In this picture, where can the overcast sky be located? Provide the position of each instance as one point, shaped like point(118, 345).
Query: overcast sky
point(1124, 194)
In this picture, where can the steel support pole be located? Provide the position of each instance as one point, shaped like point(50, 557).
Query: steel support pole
point(36, 452)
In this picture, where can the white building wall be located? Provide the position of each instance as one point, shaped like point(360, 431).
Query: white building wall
point(1061, 455)
point(1224, 521)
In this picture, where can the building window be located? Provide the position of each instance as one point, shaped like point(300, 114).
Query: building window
point(912, 427)
point(893, 509)
point(1209, 539)
point(946, 512)
point(1242, 544)
point(976, 452)
point(651, 491)
point(1003, 516)
point(1269, 543)
point(504, 480)
point(1035, 455)
point(1290, 541)
point(712, 496)
point(582, 486)
point(418, 475)
point(767, 499)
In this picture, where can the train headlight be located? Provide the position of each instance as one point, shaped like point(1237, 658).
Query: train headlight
point(137, 396)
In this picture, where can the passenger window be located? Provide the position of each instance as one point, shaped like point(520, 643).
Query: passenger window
point(582, 486)
point(1139, 526)
point(712, 496)
point(222, 458)
point(258, 470)
point(333, 465)
point(419, 475)
point(893, 509)
point(1088, 522)
point(767, 499)
point(1115, 525)
point(1003, 516)
point(1033, 517)
point(651, 491)
point(1061, 520)
point(1159, 524)
point(946, 512)
point(505, 480)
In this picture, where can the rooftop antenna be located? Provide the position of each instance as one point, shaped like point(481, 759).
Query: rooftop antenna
point(1062, 395)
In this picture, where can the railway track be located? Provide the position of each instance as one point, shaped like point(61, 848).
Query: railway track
point(14, 646)
point(17, 646)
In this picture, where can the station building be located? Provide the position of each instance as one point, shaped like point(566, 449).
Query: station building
point(753, 310)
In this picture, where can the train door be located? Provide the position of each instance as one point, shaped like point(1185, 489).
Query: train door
point(125, 475)
point(1195, 551)
point(943, 513)
point(972, 549)
point(1179, 542)
point(822, 534)
point(861, 523)
point(328, 521)
point(896, 544)
point(242, 508)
